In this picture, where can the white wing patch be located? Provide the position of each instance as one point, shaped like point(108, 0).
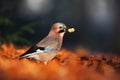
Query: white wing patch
point(39, 51)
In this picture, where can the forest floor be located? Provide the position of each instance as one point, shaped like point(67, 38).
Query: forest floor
point(67, 65)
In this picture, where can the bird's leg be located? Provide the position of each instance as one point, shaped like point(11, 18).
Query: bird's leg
point(30, 59)
point(45, 62)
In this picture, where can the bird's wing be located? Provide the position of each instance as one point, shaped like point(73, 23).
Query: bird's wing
point(37, 50)
point(45, 46)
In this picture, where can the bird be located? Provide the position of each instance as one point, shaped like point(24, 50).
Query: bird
point(46, 49)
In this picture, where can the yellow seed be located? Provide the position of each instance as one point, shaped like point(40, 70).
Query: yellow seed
point(71, 30)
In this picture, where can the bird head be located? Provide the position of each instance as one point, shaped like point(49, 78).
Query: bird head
point(59, 28)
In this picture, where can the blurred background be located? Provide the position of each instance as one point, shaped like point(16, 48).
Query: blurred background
point(97, 22)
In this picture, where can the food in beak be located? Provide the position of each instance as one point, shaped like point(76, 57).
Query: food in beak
point(70, 30)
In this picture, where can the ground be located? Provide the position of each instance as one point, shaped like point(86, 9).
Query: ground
point(67, 65)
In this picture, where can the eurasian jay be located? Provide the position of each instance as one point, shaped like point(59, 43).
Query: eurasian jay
point(48, 47)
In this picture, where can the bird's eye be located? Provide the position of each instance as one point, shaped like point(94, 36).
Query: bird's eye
point(60, 27)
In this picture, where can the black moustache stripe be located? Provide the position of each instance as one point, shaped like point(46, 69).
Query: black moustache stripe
point(61, 31)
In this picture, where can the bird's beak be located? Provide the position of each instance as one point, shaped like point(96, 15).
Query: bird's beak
point(65, 29)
